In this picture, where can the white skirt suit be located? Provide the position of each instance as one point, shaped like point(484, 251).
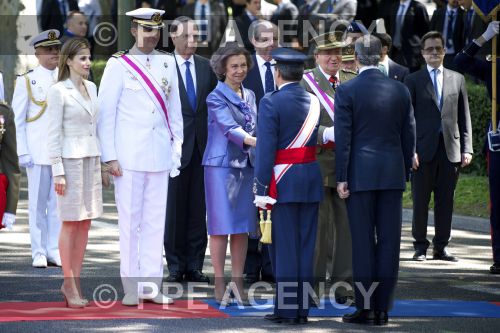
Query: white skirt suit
point(74, 150)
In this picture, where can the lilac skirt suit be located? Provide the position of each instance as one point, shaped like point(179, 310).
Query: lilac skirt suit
point(228, 162)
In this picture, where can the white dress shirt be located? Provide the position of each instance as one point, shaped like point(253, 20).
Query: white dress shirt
point(262, 70)
point(328, 76)
point(439, 78)
point(181, 62)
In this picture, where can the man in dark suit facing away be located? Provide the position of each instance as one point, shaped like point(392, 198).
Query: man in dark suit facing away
point(260, 79)
point(54, 13)
point(444, 143)
point(185, 226)
point(375, 137)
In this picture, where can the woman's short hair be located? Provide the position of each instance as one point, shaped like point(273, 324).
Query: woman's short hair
point(218, 60)
point(70, 48)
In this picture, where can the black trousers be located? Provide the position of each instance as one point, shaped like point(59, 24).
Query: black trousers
point(375, 219)
point(185, 238)
point(438, 176)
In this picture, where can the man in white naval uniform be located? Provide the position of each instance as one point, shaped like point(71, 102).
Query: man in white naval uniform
point(141, 133)
point(29, 105)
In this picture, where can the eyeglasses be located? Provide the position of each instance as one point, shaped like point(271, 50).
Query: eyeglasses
point(430, 49)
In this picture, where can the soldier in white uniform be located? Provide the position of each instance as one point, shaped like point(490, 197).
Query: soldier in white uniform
point(29, 106)
point(141, 133)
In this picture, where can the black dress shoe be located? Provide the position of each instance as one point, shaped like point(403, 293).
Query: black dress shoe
point(444, 255)
point(381, 318)
point(419, 255)
point(175, 277)
point(495, 268)
point(360, 317)
point(268, 278)
point(281, 320)
point(197, 276)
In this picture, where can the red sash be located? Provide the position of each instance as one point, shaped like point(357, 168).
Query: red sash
point(300, 155)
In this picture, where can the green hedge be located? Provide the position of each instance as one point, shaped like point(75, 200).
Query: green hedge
point(480, 111)
point(97, 70)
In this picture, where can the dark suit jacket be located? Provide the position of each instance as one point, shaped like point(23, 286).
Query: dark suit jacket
point(253, 82)
point(243, 23)
point(397, 71)
point(195, 123)
point(218, 21)
point(277, 128)
point(437, 23)
point(453, 119)
point(375, 133)
point(415, 25)
point(306, 16)
point(51, 14)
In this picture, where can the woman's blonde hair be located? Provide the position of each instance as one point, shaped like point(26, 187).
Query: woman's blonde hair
point(70, 48)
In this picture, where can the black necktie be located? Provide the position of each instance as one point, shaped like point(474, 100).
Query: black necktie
point(269, 79)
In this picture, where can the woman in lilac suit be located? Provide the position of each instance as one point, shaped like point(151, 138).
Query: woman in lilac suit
point(228, 162)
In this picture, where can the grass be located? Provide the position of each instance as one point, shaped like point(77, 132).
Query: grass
point(471, 196)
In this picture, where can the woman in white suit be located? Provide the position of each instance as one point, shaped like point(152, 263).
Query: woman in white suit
point(74, 153)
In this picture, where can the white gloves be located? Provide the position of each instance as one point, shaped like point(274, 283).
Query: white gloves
point(8, 220)
point(491, 31)
point(26, 161)
point(261, 201)
point(176, 164)
point(329, 134)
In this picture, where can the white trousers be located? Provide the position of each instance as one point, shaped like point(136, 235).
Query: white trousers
point(141, 200)
point(43, 220)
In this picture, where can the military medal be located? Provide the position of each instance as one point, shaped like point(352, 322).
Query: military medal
point(2, 121)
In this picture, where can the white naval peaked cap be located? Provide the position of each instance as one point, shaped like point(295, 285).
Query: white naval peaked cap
point(46, 38)
point(148, 17)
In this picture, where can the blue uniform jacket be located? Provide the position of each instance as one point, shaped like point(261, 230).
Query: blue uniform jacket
point(230, 119)
point(281, 115)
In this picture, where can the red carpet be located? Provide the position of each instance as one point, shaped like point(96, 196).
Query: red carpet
point(33, 311)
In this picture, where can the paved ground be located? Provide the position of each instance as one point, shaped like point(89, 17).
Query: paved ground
point(466, 280)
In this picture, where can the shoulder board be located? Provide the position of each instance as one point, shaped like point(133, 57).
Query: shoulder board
point(348, 71)
point(25, 73)
point(308, 70)
point(164, 52)
point(2, 102)
point(119, 54)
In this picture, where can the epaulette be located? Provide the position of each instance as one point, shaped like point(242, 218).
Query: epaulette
point(165, 52)
point(348, 71)
point(308, 70)
point(25, 73)
point(119, 54)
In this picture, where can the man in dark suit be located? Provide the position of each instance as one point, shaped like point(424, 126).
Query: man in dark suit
point(212, 20)
point(449, 21)
point(387, 66)
point(54, 13)
point(260, 79)
point(285, 133)
point(185, 228)
point(305, 20)
point(474, 26)
point(444, 143)
point(407, 23)
point(372, 168)
point(245, 20)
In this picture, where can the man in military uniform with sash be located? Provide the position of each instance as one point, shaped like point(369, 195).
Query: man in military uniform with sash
point(141, 133)
point(287, 176)
point(29, 105)
point(333, 243)
point(9, 167)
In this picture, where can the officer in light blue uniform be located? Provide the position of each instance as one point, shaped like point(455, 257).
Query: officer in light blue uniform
point(287, 138)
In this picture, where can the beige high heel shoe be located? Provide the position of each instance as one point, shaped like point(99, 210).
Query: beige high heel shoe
point(73, 303)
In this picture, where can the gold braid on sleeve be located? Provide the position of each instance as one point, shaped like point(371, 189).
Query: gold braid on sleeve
point(42, 104)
